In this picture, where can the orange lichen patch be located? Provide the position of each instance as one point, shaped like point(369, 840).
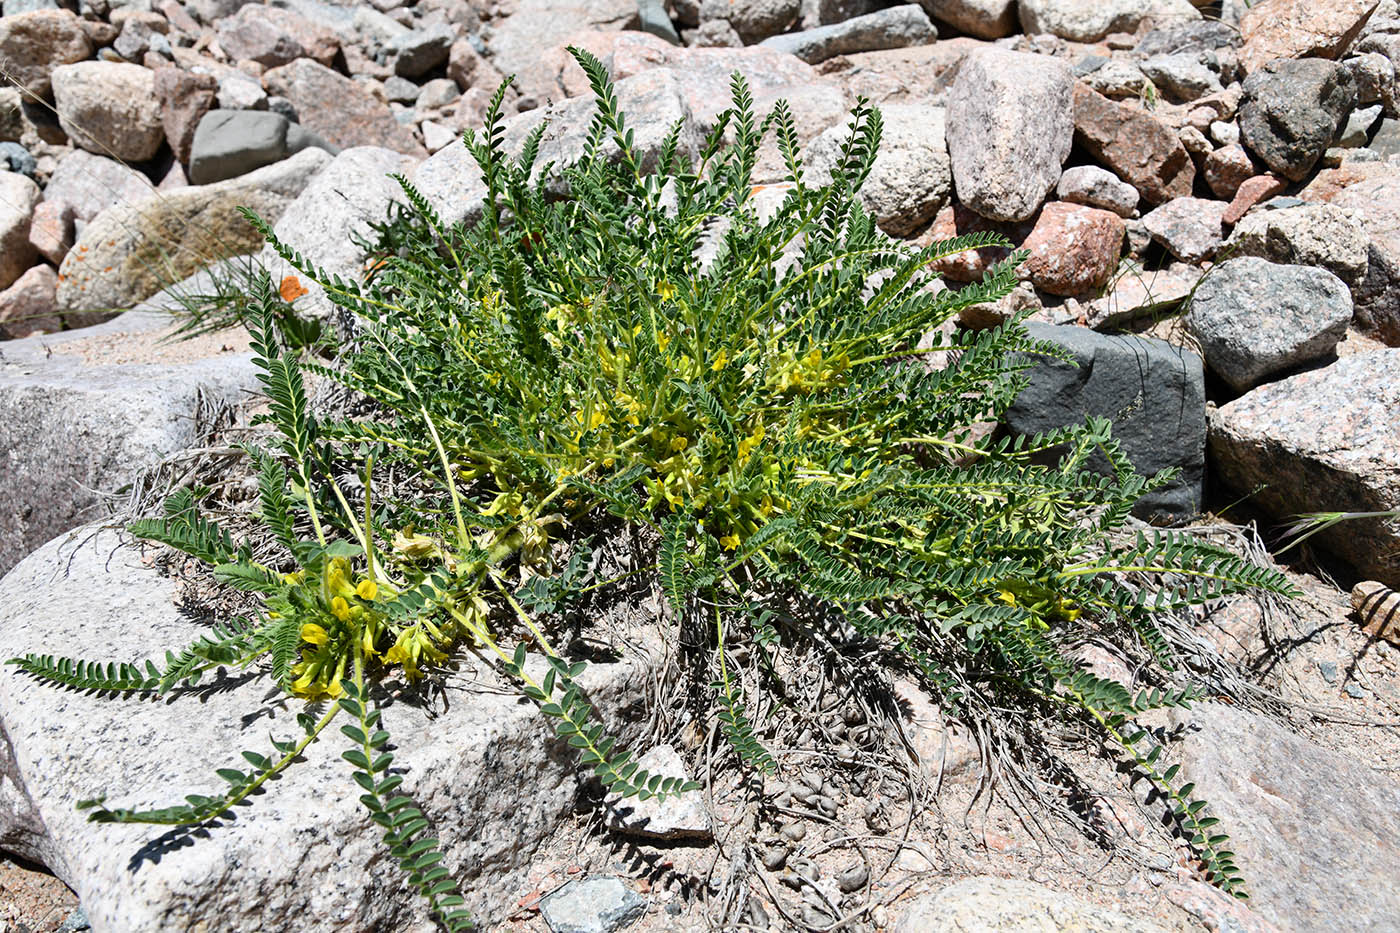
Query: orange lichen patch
point(108, 269)
point(291, 289)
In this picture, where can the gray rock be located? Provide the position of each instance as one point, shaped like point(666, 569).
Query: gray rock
point(1374, 75)
point(271, 37)
point(1153, 393)
point(33, 44)
point(415, 53)
point(753, 20)
point(109, 108)
point(16, 158)
point(1323, 440)
point(484, 767)
point(515, 42)
point(1183, 76)
point(1010, 126)
point(437, 93)
point(1254, 319)
point(1141, 293)
point(1080, 21)
point(893, 28)
point(983, 19)
point(594, 905)
point(284, 107)
point(88, 184)
point(1291, 111)
point(1190, 228)
point(131, 251)
point(653, 19)
point(229, 143)
point(238, 91)
point(11, 114)
point(1357, 131)
point(18, 195)
point(77, 421)
point(1187, 36)
point(1118, 80)
point(338, 109)
point(1097, 187)
point(1325, 235)
point(400, 90)
point(683, 817)
point(16, 7)
point(1297, 814)
point(348, 195)
point(910, 179)
point(1006, 904)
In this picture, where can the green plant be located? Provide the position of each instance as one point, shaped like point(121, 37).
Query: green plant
point(764, 423)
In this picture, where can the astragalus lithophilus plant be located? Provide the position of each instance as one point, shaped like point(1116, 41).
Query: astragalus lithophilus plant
point(767, 424)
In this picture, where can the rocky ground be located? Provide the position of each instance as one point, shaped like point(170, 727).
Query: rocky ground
point(1211, 209)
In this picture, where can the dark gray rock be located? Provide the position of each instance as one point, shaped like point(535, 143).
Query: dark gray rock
point(229, 143)
point(652, 18)
point(1291, 111)
point(415, 53)
point(1357, 131)
point(1386, 140)
point(1254, 318)
point(400, 90)
point(1182, 76)
point(16, 158)
point(1153, 393)
point(894, 28)
point(595, 905)
point(1312, 828)
point(1324, 440)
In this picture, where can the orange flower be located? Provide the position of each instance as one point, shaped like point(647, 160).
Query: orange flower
point(291, 289)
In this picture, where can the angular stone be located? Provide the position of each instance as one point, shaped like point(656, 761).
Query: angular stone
point(230, 143)
point(1073, 249)
point(1251, 192)
point(1097, 187)
point(51, 230)
point(1322, 235)
point(238, 91)
point(131, 251)
point(469, 68)
point(272, 36)
point(893, 28)
point(753, 20)
point(1153, 393)
point(683, 817)
point(1291, 112)
point(436, 94)
point(516, 41)
point(1081, 21)
point(1227, 168)
point(33, 44)
point(1374, 75)
point(593, 905)
point(1324, 440)
point(18, 195)
point(1297, 812)
point(109, 108)
point(1192, 36)
point(1254, 319)
point(1275, 29)
point(1116, 79)
point(1190, 228)
point(910, 180)
point(1182, 76)
point(185, 97)
point(338, 109)
point(1140, 293)
point(486, 769)
point(988, 903)
point(418, 52)
point(1137, 147)
point(88, 184)
point(27, 306)
point(983, 19)
point(11, 115)
point(1010, 127)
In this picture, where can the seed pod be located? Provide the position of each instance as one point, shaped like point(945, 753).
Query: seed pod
point(1379, 608)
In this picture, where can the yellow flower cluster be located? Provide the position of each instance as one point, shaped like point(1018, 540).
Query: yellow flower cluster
point(345, 624)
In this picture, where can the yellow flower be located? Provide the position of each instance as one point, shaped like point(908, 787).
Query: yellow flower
point(292, 579)
point(367, 590)
point(721, 361)
point(1006, 596)
point(313, 634)
point(340, 608)
point(338, 578)
point(666, 290)
point(679, 443)
point(412, 546)
point(729, 542)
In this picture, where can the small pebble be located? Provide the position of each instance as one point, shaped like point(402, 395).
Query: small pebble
point(774, 857)
point(1328, 670)
point(1355, 691)
point(852, 878)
